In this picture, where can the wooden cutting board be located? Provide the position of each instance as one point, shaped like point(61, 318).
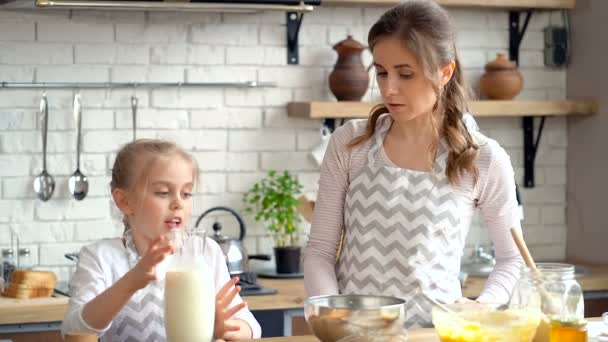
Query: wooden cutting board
point(33, 310)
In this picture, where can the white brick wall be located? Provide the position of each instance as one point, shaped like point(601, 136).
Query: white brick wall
point(187, 54)
point(111, 54)
point(37, 53)
point(234, 134)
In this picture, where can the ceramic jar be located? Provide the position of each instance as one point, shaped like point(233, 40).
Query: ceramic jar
point(502, 79)
point(349, 79)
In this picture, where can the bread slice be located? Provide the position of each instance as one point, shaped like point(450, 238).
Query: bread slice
point(31, 278)
point(31, 284)
point(27, 292)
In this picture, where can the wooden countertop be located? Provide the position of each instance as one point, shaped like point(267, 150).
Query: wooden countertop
point(414, 335)
point(291, 295)
point(596, 280)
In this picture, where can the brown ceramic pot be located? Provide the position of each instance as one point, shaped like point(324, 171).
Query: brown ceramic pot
point(349, 79)
point(502, 79)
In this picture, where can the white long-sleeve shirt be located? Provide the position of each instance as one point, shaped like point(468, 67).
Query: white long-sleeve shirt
point(493, 195)
point(103, 263)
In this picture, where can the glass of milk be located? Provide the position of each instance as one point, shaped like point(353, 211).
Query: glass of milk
point(189, 290)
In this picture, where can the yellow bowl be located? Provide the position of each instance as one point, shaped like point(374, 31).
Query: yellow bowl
point(475, 323)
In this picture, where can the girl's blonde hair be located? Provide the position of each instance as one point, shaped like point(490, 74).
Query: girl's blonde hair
point(425, 28)
point(132, 164)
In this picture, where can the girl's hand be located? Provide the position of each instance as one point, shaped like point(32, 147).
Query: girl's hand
point(145, 270)
point(223, 324)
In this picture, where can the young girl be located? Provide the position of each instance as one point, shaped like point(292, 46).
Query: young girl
point(402, 185)
point(115, 291)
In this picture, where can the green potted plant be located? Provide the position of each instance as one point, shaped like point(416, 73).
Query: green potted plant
point(273, 201)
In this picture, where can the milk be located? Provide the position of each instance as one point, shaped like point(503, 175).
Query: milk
point(189, 305)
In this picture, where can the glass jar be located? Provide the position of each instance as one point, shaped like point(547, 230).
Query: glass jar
point(1, 274)
point(554, 291)
point(8, 266)
point(25, 259)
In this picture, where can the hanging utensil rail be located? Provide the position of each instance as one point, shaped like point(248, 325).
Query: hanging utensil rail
point(205, 6)
point(138, 85)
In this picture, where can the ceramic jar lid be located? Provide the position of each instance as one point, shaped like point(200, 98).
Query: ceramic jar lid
point(500, 63)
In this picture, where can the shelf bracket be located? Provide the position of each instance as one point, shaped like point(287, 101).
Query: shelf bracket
point(530, 147)
point(294, 21)
point(516, 35)
point(330, 123)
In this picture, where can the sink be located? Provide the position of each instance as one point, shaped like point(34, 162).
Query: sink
point(480, 263)
point(477, 269)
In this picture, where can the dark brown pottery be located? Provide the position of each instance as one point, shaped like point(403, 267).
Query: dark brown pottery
point(349, 79)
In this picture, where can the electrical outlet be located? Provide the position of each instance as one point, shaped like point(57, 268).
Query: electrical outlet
point(556, 46)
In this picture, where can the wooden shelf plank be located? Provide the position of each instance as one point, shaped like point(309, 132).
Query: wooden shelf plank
point(539, 4)
point(320, 110)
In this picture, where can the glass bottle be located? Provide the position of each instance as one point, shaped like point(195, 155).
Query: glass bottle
point(555, 291)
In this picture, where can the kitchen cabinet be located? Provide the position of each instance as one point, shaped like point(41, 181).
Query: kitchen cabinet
point(596, 303)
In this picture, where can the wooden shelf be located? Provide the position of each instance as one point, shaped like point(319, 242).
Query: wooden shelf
point(512, 4)
point(320, 110)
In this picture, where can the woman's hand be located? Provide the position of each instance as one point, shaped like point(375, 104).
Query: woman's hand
point(145, 270)
point(224, 326)
point(473, 304)
point(465, 300)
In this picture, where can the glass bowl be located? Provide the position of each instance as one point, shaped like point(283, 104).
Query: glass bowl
point(473, 322)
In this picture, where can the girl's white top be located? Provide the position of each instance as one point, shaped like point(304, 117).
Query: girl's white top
point(103, 263)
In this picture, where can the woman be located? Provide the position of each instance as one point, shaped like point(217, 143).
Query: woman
point(398, 190)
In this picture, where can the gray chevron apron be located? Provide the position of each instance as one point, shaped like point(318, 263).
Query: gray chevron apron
point(401, 234)
point(142, 319)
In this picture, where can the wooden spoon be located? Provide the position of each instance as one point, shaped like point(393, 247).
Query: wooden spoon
point(436, 303)
point(525, 254)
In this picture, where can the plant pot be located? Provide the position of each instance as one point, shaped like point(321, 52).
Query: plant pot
point(287, 259)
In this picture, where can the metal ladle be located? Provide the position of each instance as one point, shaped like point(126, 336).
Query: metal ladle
point(78, 183)
point(44, 184)
point(134, 114)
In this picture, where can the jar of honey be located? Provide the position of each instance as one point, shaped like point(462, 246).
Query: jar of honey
point(556, 293)
point(568, 331)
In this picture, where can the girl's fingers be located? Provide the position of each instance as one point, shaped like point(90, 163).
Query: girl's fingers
point(159, 254)
point(230, 284)
point(231, 327)
point(230, 295)
point(156, 244)
point(233, 310)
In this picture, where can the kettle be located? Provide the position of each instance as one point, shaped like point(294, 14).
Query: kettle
point(233, 249)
